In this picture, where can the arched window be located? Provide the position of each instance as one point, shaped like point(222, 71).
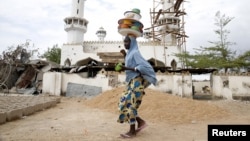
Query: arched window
point(173, 64)
point(67, 62)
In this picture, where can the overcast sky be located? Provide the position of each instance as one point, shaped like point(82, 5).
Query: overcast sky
point(41, 21)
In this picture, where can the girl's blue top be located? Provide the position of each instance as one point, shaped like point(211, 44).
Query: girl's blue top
point(134, 59)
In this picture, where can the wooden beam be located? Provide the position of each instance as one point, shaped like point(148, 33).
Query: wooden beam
point(111, 57)
point(177, 5)
point(112, 60)
point(109, 54)
point(157, 16)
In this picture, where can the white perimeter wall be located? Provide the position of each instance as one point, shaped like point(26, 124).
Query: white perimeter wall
point(227, 86)
point(54, 86)
point(55, 83)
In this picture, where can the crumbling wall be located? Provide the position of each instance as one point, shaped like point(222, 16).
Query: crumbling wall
point(231, 86)
point(27, 78)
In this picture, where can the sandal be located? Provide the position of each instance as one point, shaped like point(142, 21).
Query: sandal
point(127, 136)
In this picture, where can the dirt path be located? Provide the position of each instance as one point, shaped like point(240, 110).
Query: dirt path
point(76, 119)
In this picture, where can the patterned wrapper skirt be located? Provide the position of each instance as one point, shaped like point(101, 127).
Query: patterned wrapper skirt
point(131, 99)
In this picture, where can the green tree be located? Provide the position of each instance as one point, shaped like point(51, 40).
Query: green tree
point(218, 55)
point(53, 54)
point(243, 61)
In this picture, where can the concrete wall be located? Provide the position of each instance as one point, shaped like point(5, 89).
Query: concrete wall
point(53, 86)
point(81, 90)
point(13, 107)
point(231, 85)
point(176, 84)
point(54, 82)
point(227, 86)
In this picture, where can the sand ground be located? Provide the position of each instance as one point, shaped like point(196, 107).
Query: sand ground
point(168, 117)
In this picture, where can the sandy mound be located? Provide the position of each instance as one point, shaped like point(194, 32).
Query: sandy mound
point(162, 107)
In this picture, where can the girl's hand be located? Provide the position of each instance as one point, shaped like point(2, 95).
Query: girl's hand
point(118, 67)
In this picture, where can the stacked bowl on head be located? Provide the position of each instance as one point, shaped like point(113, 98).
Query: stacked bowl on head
point(130, 24)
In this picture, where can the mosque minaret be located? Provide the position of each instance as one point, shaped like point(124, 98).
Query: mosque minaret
point(169, 23)
point(76, 24)
point(101, 34)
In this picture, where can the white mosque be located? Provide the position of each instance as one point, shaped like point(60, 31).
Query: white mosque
point(80, 75)
point(165, 38)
